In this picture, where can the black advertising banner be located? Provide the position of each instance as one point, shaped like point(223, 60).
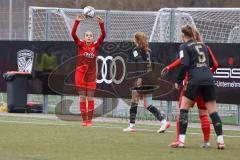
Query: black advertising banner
point(54, 65)
point(47, 56)
point(227, 77)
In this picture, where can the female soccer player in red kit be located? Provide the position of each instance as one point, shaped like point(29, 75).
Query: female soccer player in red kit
point(203, 114)
point(85, 74)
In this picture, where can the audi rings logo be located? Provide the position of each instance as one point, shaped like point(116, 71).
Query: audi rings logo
point(112, 69)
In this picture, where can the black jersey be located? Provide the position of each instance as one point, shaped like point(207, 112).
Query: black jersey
point(195, 58)
point(142, 63)
point(138, 55)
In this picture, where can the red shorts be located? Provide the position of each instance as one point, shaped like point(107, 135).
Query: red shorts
point(199, 100)
point(85, 77)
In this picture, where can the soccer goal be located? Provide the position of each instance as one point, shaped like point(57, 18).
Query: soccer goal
point(216, 25)
point(56, 23)
point(49, 23)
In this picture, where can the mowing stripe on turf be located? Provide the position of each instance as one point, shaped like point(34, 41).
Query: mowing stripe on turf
point(102, 126)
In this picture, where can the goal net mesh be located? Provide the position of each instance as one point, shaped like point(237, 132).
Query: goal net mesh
point(216, 25)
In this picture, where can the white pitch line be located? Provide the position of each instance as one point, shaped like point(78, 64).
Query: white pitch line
point(108, 127)
point(150, 130)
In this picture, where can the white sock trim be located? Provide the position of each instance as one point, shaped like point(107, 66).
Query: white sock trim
point(220, 139)
point(132, 124)
point(182, 138)
point(163, 121)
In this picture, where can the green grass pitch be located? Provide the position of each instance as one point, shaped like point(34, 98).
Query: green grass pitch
point(44, 139)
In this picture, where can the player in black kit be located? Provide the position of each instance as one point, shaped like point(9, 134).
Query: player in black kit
point(195, 60)
point(142, 60)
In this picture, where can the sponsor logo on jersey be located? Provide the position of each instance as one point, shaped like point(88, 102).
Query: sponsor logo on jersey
point(89, 55)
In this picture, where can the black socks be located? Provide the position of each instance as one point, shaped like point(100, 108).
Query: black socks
point(133, 112)
point(155, 112)
point(183, 121)
point(217, 123)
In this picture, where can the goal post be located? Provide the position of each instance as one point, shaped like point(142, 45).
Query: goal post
point(216, 25)
point(168, 24)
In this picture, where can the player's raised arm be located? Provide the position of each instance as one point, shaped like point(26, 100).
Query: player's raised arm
point(79, 18)
point(103, 32)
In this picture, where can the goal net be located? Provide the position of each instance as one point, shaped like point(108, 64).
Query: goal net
point(216, 25)
point(48, 23)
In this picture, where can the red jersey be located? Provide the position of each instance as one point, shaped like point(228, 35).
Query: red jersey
point(87, 53)
point(85, 75)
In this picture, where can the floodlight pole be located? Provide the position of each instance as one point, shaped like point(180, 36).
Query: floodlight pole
point(169, 111)
point(172, 24)
point(10, 20)
point(45, 104)
point(45, 96)
point(238, 115)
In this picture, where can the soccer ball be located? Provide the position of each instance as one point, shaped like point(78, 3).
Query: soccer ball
point(89, 11)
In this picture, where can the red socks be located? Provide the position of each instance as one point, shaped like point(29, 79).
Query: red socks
point(90, 110)
point(206, 128)
point(83, 110)
point(87, 115)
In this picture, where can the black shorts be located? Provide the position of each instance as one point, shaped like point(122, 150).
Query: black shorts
point(207, 92)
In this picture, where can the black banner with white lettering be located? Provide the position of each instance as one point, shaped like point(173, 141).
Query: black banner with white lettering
point(54, 66)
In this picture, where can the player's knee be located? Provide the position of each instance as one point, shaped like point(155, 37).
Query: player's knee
point(185, 105)
point(90, 98)
point(134, 105)
point(202, 112)
point(82, 99)
point(211, 107)
point(135, 100)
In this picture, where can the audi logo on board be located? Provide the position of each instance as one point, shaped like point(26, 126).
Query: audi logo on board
point(111, 69)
